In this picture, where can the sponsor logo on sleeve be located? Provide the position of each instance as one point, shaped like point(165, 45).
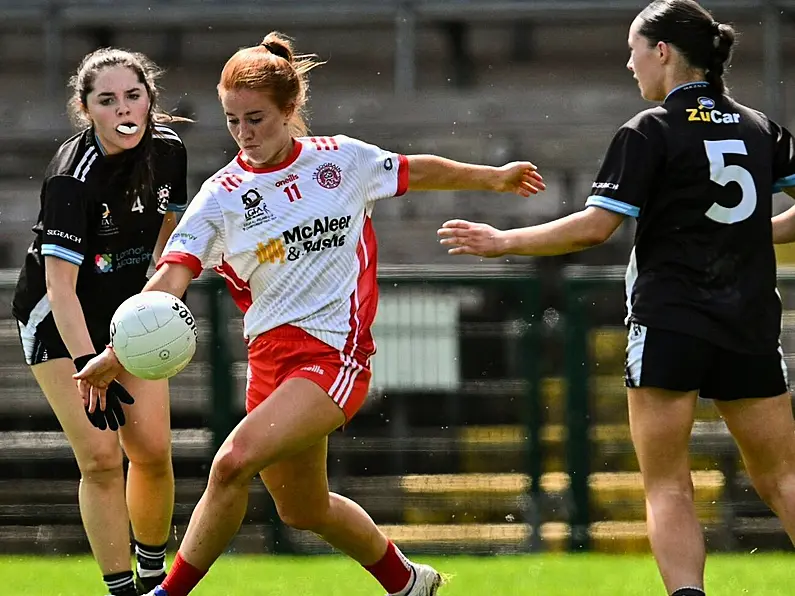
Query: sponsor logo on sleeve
point(65, 235)
point(605, 186)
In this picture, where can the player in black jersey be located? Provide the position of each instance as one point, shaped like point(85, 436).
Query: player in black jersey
point(108, 205)
point(698, 173)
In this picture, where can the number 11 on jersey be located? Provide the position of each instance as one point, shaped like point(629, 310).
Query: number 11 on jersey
point(292, 192)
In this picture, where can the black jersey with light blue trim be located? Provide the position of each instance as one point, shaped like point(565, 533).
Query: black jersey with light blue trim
point(698, 172)
point(88, 217)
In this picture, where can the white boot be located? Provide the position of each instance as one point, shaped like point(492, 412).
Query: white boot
point(427, 581)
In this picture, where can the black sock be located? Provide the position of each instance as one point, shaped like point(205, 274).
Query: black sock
point(121, 584)
point(689, 592)
point(151, 564)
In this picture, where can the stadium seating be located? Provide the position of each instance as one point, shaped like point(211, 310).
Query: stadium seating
point(438, 487)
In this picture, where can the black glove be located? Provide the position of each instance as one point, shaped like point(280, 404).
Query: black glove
point(115, 394)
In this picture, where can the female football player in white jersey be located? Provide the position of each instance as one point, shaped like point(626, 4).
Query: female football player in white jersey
point(698, 172)
point(287, 223)
point(107, 209)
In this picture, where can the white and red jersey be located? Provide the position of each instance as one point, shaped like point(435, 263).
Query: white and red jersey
point(295, 241)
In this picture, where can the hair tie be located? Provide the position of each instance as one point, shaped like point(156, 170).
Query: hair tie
point(716, 34)
point(276, 49)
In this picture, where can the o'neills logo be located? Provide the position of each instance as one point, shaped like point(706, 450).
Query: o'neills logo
point(290, 178)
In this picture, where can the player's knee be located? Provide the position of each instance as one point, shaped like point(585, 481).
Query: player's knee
point(670, 488)
point(775, 487)
point(231, 466)
point(102, 463)
point(154, 460)
point(155, 455)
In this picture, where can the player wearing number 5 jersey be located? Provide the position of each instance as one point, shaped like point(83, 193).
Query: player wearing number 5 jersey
point(697, 172)
point(287, 223)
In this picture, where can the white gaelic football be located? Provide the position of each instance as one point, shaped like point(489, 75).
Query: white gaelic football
point(153, 335)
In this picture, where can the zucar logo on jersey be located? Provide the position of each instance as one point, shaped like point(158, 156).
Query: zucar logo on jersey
point(706, 112)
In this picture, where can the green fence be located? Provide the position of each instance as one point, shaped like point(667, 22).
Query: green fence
point(420, 310)
point(496, 423)
point(594, 303)
point(597, 464)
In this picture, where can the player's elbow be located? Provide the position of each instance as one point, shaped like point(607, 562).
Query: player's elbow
point(598, 225)
point(596, 236)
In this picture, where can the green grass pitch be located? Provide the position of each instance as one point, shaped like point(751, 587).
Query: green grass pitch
point(550, 575)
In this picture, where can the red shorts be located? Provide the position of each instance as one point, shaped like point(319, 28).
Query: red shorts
point(288, 352)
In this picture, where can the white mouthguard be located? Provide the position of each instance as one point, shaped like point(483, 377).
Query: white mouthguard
point(127, 130)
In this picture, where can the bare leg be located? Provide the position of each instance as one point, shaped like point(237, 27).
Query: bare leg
point(99, 457)
point(765, 432)
point(296, 416)
point(299, 486)
point(661, 422)
point(146, 439)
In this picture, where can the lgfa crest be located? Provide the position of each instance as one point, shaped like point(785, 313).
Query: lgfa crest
point(256, 212)
point(107, 227)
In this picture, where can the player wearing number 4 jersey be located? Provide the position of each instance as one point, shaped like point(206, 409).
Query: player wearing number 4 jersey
point(287, 223)
point(697, 172)
point(108, 205)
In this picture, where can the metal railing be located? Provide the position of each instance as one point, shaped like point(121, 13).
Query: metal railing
point(468, 409)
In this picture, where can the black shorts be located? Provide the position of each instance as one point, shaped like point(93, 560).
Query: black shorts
point(43, 342)
point(679, 362)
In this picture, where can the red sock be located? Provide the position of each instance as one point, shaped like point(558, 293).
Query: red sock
point(393, 571)
point(182, 578)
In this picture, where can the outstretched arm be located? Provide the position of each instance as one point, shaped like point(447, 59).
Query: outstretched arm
point(431, 172)
point(101, 370)
point(572, 233)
